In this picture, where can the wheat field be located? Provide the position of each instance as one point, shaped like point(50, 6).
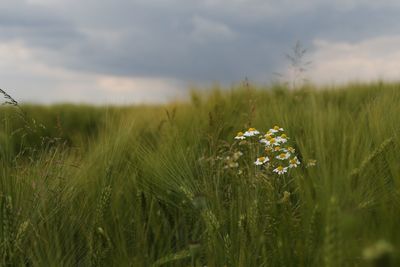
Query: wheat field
point(161, 185)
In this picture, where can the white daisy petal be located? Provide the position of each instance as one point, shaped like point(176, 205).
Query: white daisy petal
point(280, 170)
point(240, 136)
point(261, 160)
point(294, 162)
point(251, 132)
point(283, 156)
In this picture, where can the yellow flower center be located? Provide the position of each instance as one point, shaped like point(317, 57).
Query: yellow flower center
point(277, 148)
point(280, 168)
point(272, 140)
point(276, 128)
point(268, 137)
point(290, 149)
point(239, 134)
point(261, 159)
point(251, 129)
point(293, 161)
point(283, 136)
point(282, 155)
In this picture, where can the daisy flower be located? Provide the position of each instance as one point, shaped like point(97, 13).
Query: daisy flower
point(272, 142)
point(264, 141)
point(251, 132)
point(277, 148)
point(294, 162)
point(261, 160)
point(268, 135)
point(276, 129)
point(240, 136)
point(283, 156)
point(267, 138)
point(282, 138)
point(280, 170)
point(291, 149)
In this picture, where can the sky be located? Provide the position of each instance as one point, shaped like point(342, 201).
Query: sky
point(154, 51)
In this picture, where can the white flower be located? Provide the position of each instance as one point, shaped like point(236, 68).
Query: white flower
point(282, 138)
point(240, 136)
point(251, 132)
point(276, 129)
point(283, 156)
point(271, 142)
point(291, 149)
point(268, 135)
point(280, 170)
point(265, 141)
point(294, 162)
point(261, 160)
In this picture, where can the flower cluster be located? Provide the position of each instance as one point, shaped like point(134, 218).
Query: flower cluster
point(277, 155)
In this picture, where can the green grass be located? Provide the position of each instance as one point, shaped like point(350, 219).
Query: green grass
point(144, 186)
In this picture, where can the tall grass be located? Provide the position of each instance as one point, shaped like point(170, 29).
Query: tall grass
point(146, 186)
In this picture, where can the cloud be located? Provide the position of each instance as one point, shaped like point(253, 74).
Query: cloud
point(29, 80)
point(367, 60)
point(87, 46)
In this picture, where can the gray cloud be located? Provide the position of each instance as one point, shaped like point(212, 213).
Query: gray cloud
point(199, 41)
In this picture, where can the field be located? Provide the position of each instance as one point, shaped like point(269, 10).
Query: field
point(165, 185)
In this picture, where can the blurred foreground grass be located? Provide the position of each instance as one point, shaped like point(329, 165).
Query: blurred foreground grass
point(146, 185)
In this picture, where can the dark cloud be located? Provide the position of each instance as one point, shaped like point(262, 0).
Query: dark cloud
point(198, 41)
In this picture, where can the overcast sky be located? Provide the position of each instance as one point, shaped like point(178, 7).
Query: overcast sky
point(134, 51)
